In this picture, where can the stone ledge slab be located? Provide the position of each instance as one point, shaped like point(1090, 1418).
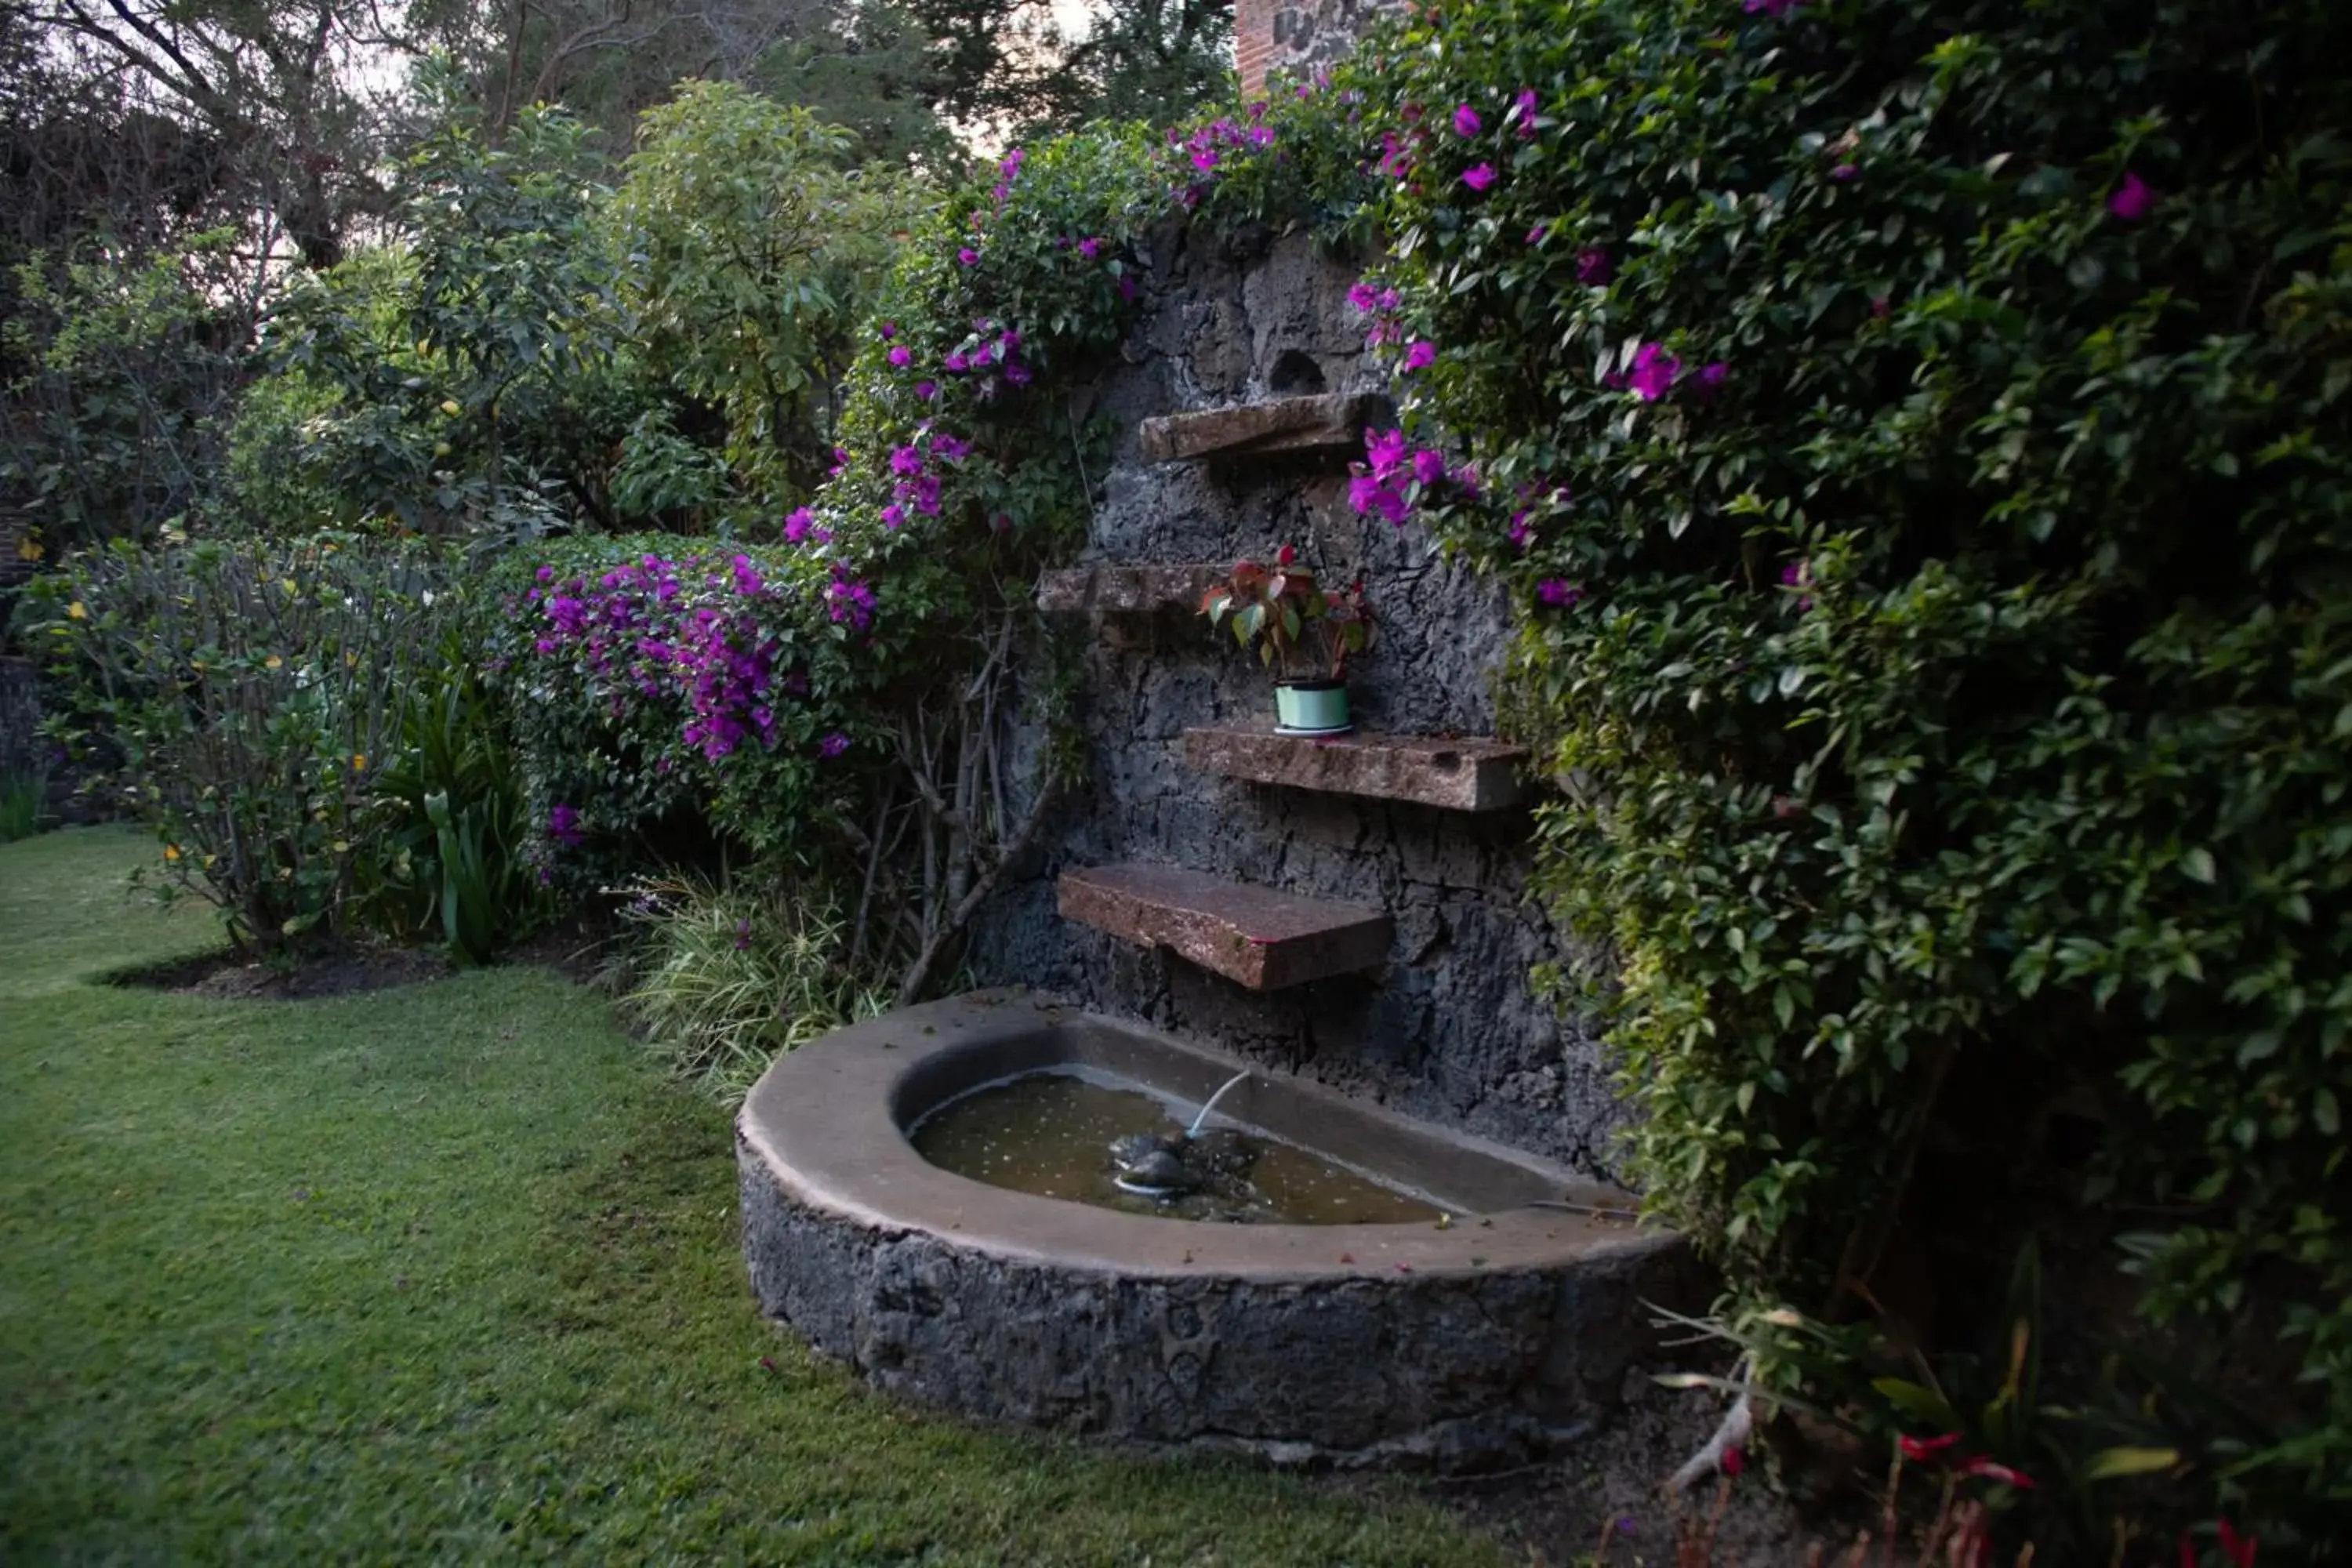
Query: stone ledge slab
point(1430, 770)
point(1126, 590)
point(1325, 420)
point(1256, 937)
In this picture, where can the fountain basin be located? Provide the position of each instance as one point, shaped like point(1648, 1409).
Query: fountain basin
point(1496, 1337)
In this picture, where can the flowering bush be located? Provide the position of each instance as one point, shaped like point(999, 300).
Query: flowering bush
point(1915, 437)
point(651, 685)
point(840, 689)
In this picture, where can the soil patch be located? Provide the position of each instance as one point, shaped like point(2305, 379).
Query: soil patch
point(229, 976)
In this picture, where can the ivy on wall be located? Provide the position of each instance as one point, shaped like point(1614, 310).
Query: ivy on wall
point(1916, 437)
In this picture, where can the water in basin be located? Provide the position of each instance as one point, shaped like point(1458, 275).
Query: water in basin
point(1050, 1133)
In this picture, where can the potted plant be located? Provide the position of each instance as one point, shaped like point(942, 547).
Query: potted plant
point(1301, 629)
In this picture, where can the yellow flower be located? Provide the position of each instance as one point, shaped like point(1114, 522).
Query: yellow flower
point(170, 852)
point(76, 611)
point(449, 407)
point(273, 662)
point(359, 761)
point(28, 549)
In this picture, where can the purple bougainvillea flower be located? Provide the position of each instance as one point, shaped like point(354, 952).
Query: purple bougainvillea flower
point(563, 827)
point(546, 573)
point(890, 331)
point(1428, 465)
point(1367, 493)
point(956, 364)
point(1521, 531)
point(1774, 8)
point(1361, 295)
point(1654, 373)
point(1126, 289)
point(1090, 249)
point(926, 390)
point(1523, 110)
point(1421, 353)
point(952, 449)
point(907, 460)
point(833, 745)
point(1467, 122)
point(892, 516)
point(1844, 172)
point(901, 355)
point(2133, 199)
point(1386, 450)
point(1559, 592)
point(1594, 267)
point(1536, 235)
point(1711, 378)
point(968, 255)
point(1479, 178)
point(1016, 375)
point(1799, 575)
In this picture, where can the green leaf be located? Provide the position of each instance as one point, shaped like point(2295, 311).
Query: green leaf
point(2108, 1464)
point(1919, 1402)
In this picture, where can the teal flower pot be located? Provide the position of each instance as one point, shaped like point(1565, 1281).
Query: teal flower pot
point(1311, 707)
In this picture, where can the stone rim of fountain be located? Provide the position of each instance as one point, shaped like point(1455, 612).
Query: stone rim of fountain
point(829, 1123)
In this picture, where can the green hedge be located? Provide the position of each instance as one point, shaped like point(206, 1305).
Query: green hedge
point(1916, 435)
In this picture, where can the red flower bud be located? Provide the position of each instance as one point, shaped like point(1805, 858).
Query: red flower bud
point(1990, 1470)
point(2238, 1549)
point(1286, 555)
point(1916, 1449)
point(1733, 1461)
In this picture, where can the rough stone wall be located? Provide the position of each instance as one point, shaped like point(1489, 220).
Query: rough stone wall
point(1450, 1029)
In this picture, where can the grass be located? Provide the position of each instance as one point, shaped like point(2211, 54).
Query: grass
point(450, 1274)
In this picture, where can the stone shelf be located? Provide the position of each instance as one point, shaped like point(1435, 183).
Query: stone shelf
point(1127, 590)
point(1253, 936)
point(1322, 422)
point(1458, 775)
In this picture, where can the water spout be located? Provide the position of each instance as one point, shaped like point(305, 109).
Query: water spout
point(1194, 1130)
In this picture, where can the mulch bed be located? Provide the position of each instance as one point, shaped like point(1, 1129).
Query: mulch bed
point(575, 949)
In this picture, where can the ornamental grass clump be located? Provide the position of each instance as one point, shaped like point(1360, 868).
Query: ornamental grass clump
point(724, 979)
point(1916, 435)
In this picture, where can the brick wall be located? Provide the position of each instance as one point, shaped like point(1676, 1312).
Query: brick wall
point(1254, 51)
point(1294, 35)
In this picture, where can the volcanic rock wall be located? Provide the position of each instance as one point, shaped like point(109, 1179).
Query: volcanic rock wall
point(1449, 1028)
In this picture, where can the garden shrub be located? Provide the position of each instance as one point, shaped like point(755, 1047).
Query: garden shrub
point(1916, 437)
point(449, 834)
point(723, 981)
point(243, 700)
point(832, 690)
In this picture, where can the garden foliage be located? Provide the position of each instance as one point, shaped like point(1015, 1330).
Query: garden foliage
point(1916, 435)
point(245, 701)
point(303, 727)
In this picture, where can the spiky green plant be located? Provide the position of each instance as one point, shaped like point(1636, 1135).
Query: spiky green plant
point(23, 799)
point(727, 979)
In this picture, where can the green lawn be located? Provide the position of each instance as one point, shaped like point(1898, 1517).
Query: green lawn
point(446, 1273)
